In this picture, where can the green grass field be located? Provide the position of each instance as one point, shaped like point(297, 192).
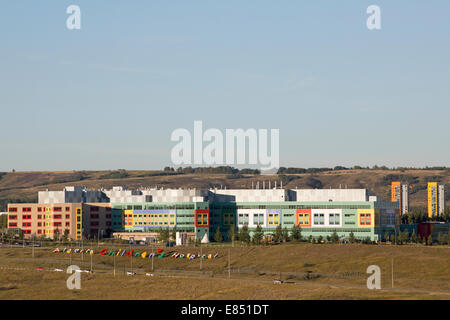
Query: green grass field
point(308, 271)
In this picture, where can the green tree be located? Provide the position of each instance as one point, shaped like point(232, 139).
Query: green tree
point(296, 233)
point(232, 233)
point(244, 234)
point(386, 236)
point(406, 237)
point(334, 237)
point(66, 234)
point(163, 234)
point(56, 234)
point(430, 240)
point(278, 236)
point(285, 234)
point(351, 237)
point(414, 238)
point(392, 238)
point(310, 239)
point(442, 239)
point(320, 239)
point(257, 235)
point(174, 234)
point(218, 235)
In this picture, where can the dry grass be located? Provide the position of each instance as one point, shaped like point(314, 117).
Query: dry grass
point(419, 272)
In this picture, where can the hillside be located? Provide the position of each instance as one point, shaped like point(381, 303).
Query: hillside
point(23, 186)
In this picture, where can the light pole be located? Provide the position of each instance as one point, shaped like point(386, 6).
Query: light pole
point(153, 254)
point(98, 237)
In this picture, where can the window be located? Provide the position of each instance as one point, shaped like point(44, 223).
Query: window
point(67, 224)
point(57, 216)
point(67, 209)
point(27, 231)
point(67, 216)
point(57, 209)
point(319, 218)
point(14, 217)
point(39, 231)
point(57, 224)
point(12, 209)
point(202, 218)
point(335, 219)
point(258, 218)
point(365, 219)
point(26, 217)
point(243, 218)
point(39, 209)
point(274, 219)
point(108, 209)
point(94, 223)
point(39, 216)
point(39, 224)
point(26, 224)
point(303, 219)
point(108, 216)
point(13, 224)
point(94, 209)
point(27, 209)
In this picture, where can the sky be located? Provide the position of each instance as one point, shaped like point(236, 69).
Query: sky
point(109, 95)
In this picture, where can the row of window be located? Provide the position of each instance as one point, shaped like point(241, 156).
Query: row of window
point(39, 209)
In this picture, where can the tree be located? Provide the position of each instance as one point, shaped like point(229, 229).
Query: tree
point(405, 236)
point(244, 235)
point(414, 238)
point(56, 234)
point(257, 235)
point(296, 233)
point(442, 239)
point(351, 237)
point(386, 236)
point(285, 234)
point(66, 234)
point(232, 233)
point(163, 235)
point(430, 240)
point(218, 235)
point(174, 233)
point(334, 237)
point(278, 236)
point(320, 239)
point(310, 239)
point(393, 239)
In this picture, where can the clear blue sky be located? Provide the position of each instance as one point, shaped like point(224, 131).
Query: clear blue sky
point(109, 95)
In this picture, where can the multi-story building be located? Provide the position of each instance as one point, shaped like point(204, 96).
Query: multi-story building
point(201, 212)
point(436, 199)
point(317, 212)
point(73, 220)
point(399, 193)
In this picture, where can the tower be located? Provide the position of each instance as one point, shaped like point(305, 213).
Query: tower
point(436, 199)
point(399, 193)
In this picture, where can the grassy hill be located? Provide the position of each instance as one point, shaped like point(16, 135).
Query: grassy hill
point(23, 186)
